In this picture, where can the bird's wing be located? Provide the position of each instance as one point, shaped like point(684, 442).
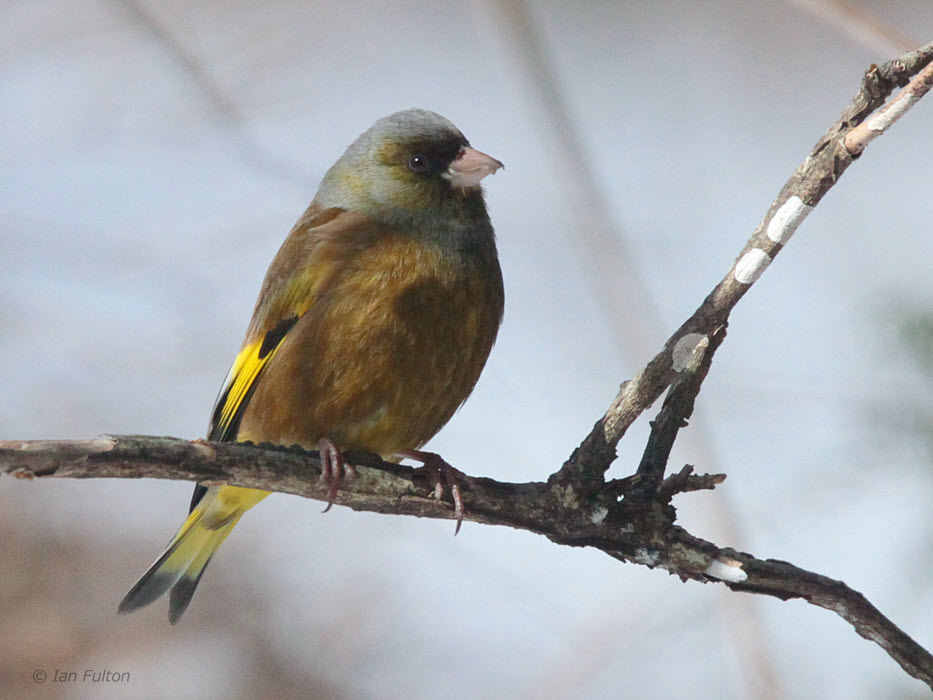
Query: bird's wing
point(303, 266)
point(243, 378)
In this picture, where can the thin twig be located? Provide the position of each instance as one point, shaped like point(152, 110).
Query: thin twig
point(815, 176)
point(859, 23)
point(860, 136)
point(677, 409)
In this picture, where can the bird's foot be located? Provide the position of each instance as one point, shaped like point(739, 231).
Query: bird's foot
point(333, 468)
point(439, 473)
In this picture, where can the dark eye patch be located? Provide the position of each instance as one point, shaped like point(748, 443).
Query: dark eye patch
point(432, 156)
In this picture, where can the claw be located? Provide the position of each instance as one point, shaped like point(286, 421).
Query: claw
point(440, 472)
point(333, 468)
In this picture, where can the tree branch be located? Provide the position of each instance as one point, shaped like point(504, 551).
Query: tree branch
point(814, 177)
point(677, 409)
point(638, 531)
point(630, 519)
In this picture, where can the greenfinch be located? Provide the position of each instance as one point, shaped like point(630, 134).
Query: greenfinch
point(372, 326)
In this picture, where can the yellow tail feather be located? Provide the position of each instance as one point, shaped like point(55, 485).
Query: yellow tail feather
point(183, 562)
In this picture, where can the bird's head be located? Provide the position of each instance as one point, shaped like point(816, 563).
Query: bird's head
point(409, 165)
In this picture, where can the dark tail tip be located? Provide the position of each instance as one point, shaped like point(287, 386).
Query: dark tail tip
point(148, 589)
point(181, 595)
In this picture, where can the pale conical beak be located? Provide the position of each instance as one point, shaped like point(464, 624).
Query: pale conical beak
point(471, 166)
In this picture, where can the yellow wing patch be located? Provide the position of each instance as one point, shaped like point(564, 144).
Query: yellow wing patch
point(242, 381)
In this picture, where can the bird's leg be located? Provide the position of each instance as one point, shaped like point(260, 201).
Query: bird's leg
point(439, 473)
point(333, 468)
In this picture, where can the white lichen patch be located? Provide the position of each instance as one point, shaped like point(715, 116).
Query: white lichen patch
point(730, 570)
point(685, 348)
point(786, 219)
point(750, 267)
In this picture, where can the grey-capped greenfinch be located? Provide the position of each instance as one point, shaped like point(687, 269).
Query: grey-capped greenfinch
point(372, 326)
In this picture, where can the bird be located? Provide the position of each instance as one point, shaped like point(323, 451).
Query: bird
point(372, 326)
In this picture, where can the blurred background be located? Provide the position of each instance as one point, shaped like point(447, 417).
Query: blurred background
point(153, 156)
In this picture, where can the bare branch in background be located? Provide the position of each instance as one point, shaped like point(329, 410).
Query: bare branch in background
point(617, 282)
point(861, 25)
point(629, 519)
point(221, 107)
point(627, 304)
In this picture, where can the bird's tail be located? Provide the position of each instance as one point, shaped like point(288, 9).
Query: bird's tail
point(181, 565)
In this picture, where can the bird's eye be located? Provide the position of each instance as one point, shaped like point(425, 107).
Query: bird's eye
point(419, 164)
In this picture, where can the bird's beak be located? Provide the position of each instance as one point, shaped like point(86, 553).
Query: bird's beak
point(470, 166)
